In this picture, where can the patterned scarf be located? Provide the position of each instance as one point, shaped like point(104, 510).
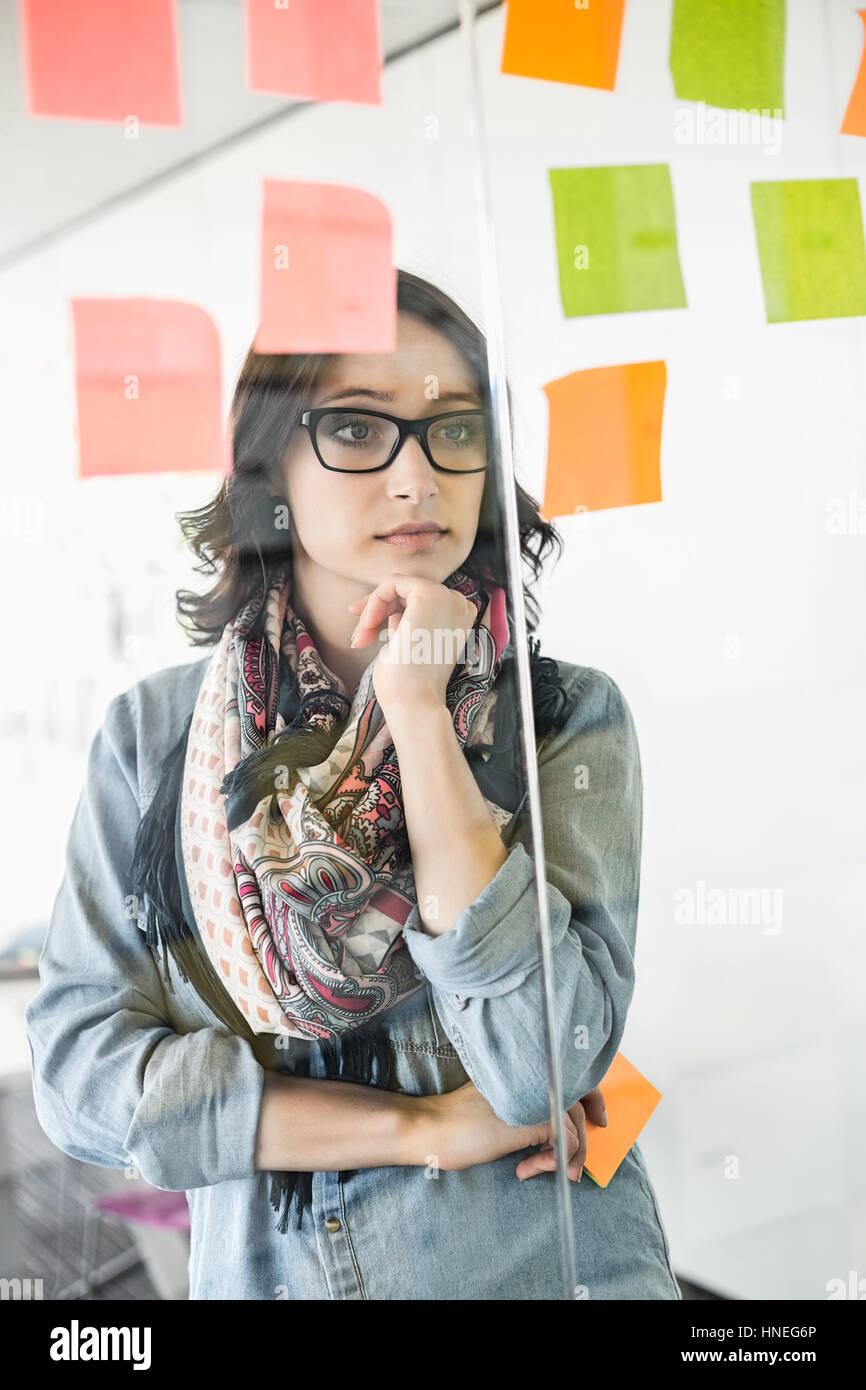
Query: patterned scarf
point(301, 883)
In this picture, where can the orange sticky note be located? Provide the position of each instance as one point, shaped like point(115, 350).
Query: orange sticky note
point(327, 279)
point(629, 1100)
point(854, 122)
point(321, 50)
point(604, 441)
point(102, 60)
point(558, 42)
point(147, 378)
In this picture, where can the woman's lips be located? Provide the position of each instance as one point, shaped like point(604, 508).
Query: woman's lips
point(413, 540)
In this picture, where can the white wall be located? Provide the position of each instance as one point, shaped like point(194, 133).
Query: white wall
point(753, 766)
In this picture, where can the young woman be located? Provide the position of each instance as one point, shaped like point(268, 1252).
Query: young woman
point(293, 964)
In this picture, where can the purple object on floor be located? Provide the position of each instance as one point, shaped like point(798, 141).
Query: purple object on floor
point(149, 1206)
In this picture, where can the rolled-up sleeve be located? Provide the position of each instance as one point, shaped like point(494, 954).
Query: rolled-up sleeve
point(486, 972)
point(113, 1082)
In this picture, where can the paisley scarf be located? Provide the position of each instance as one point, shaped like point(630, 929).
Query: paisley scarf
point(281, 896)
point(301, 884)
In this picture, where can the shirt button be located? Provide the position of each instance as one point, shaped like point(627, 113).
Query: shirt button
point(459, 1001)
point(332, 1224)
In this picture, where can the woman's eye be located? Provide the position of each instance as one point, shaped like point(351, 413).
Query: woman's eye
point(353, 432)
point(463, 433)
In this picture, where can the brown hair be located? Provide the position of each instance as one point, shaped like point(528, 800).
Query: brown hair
point(234, 534)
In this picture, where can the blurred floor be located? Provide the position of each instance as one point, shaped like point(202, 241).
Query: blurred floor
point(49, 1192)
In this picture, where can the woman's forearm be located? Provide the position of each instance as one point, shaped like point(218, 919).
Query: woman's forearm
point(308, 1124)
point(456, 849)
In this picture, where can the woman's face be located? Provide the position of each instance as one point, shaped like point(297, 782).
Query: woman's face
point(338, 519)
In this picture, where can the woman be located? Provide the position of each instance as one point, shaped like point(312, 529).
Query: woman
point(317, 984)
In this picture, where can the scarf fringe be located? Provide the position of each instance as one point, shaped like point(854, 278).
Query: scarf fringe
point(153, 870)
point(362, 1057)
point(153, 874)
point(252, 778)
point(500, 775)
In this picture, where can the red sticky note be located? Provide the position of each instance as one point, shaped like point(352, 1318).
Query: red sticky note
point(604, 442)
point(147, 378)
point(321, 50)
point(327, 279)
point(102, 60)
point(629, 1100)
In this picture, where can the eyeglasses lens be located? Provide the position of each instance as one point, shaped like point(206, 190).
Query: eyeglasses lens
point(359, 441)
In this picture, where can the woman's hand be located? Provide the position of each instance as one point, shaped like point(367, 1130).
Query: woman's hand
point(460, 1128)
point(590, 1107)
point(428, 627)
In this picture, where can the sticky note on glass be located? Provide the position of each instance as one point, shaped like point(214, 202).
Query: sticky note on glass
point(318, 50)
point(328, 283)
point(147, 380)
point(561, 43)
point(729, 53)
point(103, 60)
point(854, 120)
point(604, 439)
point(616, 239)
point(810, 244)
point(629, 1100)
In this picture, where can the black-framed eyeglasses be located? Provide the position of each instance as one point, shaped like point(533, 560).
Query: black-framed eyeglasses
point(347, 440)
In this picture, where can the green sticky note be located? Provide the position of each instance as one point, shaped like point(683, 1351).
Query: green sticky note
point(616, 239)
point(730, 53)
point(810, 244)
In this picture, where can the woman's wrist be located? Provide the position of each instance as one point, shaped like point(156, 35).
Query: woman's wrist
point(412, 713)
point(420, 1128)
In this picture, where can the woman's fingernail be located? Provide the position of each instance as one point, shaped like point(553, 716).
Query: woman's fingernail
point(604, 1118)
point(354, 636)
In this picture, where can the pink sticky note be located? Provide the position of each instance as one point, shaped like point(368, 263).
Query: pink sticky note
point(147, 378)
point(327, 279)
point(102, 60)
point(321, 50)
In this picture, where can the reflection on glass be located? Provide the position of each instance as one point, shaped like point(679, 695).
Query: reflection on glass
point(290, 997)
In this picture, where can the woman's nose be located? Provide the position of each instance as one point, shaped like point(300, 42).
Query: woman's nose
point(411, 469)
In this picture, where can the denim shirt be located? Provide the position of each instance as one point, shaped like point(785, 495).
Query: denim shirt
point(127, 1071)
